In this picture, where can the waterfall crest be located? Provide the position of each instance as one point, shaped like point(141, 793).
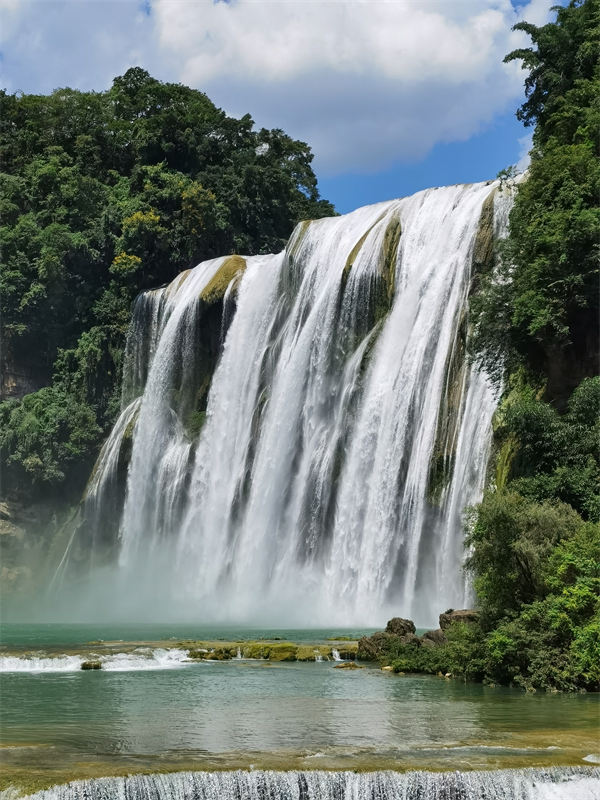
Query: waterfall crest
point(306, 454)
point(568, 783)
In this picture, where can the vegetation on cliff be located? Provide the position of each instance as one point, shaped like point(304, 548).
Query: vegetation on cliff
point(104, 195)
point(541, 307)
point(535, 538)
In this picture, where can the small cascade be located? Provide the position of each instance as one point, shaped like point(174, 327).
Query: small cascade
point(303, 431)
point(105, 493)
point(335, 654)
point(566, 783)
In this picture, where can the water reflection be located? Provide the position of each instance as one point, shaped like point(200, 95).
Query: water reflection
point(297, 709)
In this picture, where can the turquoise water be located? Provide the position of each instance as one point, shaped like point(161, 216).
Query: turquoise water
point(273, 715)
point(53, 635)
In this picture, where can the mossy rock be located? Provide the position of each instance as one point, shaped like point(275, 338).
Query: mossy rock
point(198, 654)
point(506, 455)
point(286, 651)
point(348, 665)
point(217, 286)
point(483, 248)
point(441, 466)
point(85, 665)
point(354, 253)
point(313, 653)
point(386, 267)
point(220, 654)
point(295, 240)
point(255, 650)
point(195, 423)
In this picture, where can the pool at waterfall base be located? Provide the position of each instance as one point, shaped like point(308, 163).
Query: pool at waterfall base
point(152, 710)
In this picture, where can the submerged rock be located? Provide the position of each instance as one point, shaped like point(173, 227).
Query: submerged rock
point(91, 665)
point(348, 665)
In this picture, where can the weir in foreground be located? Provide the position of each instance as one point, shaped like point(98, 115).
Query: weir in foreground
point(530, 784)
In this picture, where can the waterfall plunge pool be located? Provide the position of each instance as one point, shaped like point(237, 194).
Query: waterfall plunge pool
point(59, 726)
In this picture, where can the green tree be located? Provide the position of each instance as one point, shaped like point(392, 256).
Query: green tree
point(542, 305)
point(103, 195)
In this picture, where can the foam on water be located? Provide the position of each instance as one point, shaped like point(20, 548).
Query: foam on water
point(529, 784)
point(141, 659)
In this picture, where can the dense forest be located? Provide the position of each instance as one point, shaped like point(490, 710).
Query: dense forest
point(104, 195)
point(534, 541)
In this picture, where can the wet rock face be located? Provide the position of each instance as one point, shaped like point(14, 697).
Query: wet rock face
point(466, 615)
point(400, 627)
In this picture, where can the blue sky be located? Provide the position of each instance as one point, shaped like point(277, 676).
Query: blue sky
point(392, 95)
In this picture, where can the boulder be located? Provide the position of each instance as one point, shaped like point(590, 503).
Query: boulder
point(466, 615)
point(400, 627)
point(434, 638)
point(370, 648)
point(397, 631)
point(91, 665)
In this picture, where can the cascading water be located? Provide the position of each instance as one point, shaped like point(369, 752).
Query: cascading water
point(566, 783)
point(299, 487)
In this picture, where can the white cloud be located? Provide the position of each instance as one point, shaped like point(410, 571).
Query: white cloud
point(365, 82)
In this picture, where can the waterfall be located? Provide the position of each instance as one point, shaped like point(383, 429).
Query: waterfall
point(567, 783)
point(282, 452)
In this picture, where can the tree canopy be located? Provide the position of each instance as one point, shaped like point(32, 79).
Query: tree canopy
point(541, 308)
point(105, 194)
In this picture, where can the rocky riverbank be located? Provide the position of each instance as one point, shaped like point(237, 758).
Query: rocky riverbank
point(402, 632)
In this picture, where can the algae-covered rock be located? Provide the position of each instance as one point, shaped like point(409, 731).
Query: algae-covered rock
point(198, 653)
point(311, 652)
point(279, 651)
point(220, 654)
point(85, 665)
point(348, 653)
point(387, 267)
point(284, 651)
point(232, 267)
point(483, 248)
point(348, 665)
